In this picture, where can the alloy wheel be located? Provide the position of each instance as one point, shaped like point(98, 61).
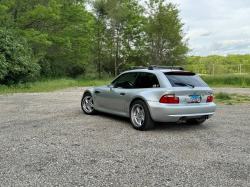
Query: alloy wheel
point(137, 115)
point(88, 104)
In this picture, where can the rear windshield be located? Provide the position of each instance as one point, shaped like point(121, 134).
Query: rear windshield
point(182, 79)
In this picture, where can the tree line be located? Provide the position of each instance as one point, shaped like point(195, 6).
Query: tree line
point(216, 64)
point(98, 38)
point(54, 38)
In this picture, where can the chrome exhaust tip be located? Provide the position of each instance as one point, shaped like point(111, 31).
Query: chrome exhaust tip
point(204, 117)
point(182, 120)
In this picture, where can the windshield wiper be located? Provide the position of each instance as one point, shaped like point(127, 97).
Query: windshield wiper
point(184, 84)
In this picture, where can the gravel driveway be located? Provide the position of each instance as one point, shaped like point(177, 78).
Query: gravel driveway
point(46, 140)
point(240, 91)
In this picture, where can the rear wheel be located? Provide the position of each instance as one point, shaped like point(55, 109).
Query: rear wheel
point(140, 116)
point(197, 121)
point(88, 104)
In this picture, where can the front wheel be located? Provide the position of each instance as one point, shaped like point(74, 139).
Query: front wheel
point(140, 116)
point(88, 104)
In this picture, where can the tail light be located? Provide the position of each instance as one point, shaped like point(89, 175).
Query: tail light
point(169, 98)
point(210, 98)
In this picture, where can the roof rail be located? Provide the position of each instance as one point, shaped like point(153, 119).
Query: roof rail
point(151, 67)
point(136, 67)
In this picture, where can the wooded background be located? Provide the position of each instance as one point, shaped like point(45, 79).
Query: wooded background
point(57, 38)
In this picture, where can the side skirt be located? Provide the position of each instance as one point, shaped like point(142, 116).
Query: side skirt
point(111, 111)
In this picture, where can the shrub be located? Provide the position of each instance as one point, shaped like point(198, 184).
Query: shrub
point(16, 59)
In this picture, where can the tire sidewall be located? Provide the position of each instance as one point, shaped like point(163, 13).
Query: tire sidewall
point(88, 113)
point(147, 117)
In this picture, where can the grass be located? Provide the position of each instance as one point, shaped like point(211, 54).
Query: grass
point(52, 85)
point(223, 96)
point(48, 85)
point(230, 80)
point(231, 99)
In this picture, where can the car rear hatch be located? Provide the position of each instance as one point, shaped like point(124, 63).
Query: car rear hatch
point(189, 88)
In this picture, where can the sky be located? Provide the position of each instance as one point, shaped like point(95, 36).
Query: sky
point(216, 27)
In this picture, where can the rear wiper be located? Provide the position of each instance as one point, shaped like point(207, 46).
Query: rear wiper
point(183, 84)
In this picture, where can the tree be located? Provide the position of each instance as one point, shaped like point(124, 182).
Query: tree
point(16, 59)
point(166, 43)
point(132, 39)
point(60, 32)
point(100, 28)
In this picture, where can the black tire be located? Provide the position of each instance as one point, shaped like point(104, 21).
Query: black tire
point(197, 121)
point(87, 104)
point(140, 116)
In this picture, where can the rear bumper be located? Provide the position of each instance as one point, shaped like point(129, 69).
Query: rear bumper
point(173, 112)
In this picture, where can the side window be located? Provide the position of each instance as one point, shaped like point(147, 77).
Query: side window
point(147, 80)
point(125, 81)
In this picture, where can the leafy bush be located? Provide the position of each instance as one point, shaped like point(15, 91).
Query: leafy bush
point(16, 59)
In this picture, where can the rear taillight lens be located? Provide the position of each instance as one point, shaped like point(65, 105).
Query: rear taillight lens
point(169, 98)
point(210, 98)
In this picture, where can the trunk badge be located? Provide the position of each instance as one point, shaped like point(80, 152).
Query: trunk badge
point(195, 92)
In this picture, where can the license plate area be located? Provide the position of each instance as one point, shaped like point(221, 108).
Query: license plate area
point(195, 98)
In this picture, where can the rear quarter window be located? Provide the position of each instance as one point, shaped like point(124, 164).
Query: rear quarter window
point(146, 80)
point(180, 79)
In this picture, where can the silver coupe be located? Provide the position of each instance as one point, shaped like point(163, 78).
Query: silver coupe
point(153, 94)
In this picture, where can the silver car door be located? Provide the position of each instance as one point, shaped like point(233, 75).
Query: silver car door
point(96, 95)
point(115, 98)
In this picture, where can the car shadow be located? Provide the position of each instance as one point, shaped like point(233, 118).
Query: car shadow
point(115, 117)
point(177, 127)
point(159, 126)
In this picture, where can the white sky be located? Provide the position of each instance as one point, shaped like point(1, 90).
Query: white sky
point(216, 27)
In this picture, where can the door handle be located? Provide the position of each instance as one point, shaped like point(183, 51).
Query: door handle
point(122, 93)
point(97, 92)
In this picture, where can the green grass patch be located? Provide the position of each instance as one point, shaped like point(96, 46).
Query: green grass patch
point(48, 85)
point(229, 80)
point(230, 99)
point(223, 96)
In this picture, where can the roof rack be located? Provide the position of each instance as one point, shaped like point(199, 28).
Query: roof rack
point(137, 67)
point(151, 67)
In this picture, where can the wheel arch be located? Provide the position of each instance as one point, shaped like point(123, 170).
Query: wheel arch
point(87, 92)
point(141, 99)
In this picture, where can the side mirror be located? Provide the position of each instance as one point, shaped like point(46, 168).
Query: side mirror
point(111, 86)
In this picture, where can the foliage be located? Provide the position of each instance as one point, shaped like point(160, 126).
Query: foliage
point(230, 99)
point(227, 80)
point(125, 33)
point(164, 34)
point(16, 59)
point(66, 39)
point(216, 64)
point(223, 95)
point(60, 32)
point(48, 85)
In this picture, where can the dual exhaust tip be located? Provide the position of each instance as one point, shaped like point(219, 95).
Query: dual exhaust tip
point(184, 119)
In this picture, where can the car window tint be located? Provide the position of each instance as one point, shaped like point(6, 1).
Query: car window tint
point(146, 80)
point(125, 81)
point(181, 80)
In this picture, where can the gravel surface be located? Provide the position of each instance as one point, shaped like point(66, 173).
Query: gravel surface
point(240, 91)
point(46, 140)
